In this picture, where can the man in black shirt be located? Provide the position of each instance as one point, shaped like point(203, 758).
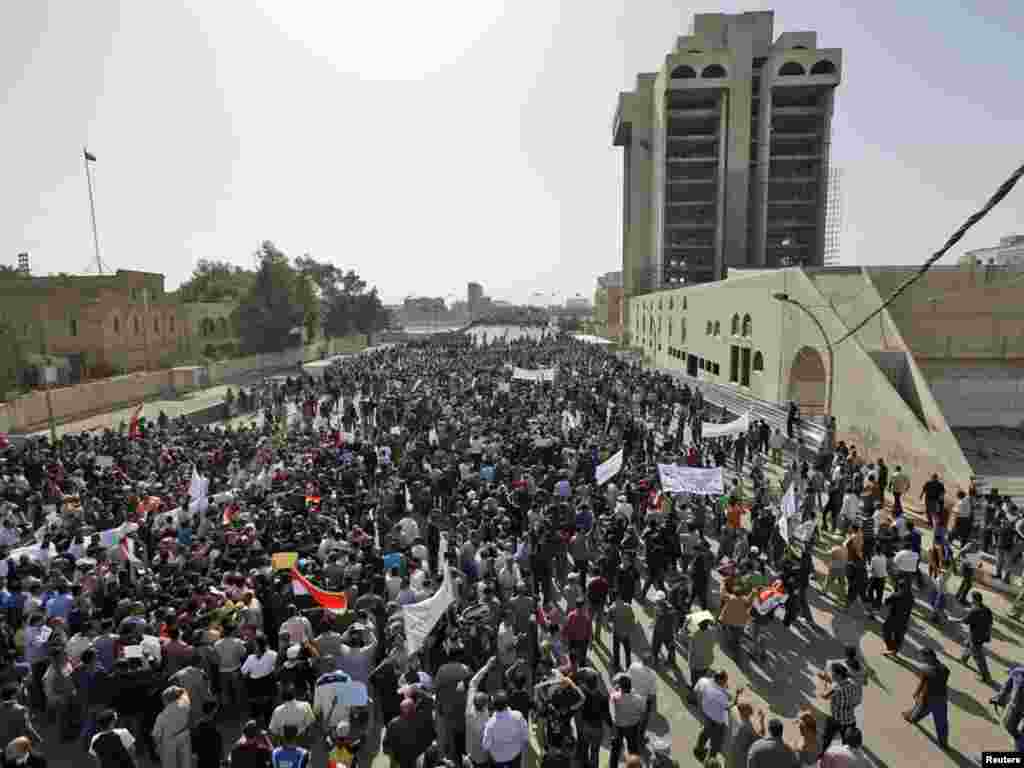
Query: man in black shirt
point(933, 492)
point(979, 623)
point(931, 697)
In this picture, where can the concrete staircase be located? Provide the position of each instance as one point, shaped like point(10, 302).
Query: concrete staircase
point(738, 403)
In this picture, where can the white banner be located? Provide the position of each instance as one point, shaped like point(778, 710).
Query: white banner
point(609, 469)
point(787, 513)
point(530, 374)
point(421, 617)
point(734, 427)
point(695, 480)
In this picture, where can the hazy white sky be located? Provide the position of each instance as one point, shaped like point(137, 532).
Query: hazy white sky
point(427, 144)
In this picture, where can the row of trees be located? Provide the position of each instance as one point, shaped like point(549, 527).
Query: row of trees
point(281, 298)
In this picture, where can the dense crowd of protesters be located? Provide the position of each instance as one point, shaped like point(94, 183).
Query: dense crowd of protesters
point(143, 610)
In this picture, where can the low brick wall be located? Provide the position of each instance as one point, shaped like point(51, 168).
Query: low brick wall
point(29, 412)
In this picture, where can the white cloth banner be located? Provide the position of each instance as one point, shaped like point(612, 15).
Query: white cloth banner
point(695, 480)
point(734, 427)
point(420, 618)
point(787, 513)
point(530, 374)
point(33, 552)
point(609, 469)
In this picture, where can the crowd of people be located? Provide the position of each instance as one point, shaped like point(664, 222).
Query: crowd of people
point(164, 581)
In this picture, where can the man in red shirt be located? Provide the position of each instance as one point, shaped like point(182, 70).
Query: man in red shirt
point(597, 596)
point(578, 631)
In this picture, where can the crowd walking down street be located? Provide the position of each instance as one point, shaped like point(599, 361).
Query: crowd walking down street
point(517, 553)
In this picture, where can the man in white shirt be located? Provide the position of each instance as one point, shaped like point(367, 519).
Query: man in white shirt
point(905, 562)
point(645, 685)
point(878, 569)
point(336, 693)
point(715, 701)
point(506, 735)
point(291, 712)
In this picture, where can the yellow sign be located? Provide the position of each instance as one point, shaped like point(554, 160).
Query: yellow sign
point(284, 561)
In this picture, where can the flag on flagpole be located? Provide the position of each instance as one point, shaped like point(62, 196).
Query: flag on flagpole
point(89, 155)
point(334, 601)
point(133, 425)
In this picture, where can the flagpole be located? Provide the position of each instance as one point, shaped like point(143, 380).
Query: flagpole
point(92, 211)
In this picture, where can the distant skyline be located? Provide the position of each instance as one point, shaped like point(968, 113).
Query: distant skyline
point(429, 145)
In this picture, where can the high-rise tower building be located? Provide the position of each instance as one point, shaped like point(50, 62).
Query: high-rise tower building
point(833, 217)
point(726, 153)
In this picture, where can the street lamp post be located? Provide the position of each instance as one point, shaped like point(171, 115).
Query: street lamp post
point(787, 299)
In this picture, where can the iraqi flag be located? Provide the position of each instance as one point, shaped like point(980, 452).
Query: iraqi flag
point(133, 426)
point(332, 601)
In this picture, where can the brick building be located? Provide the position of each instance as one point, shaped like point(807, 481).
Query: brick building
point(99, 323)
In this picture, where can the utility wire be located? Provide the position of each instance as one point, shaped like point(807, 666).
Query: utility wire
point(993, 201)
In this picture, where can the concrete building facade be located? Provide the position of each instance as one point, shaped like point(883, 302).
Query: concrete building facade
point(948, 356)
point(834, 218)
point(726, 153)
point(1009, 253)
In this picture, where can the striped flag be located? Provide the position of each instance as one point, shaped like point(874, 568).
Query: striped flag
point(332, 601)
point(89, 156)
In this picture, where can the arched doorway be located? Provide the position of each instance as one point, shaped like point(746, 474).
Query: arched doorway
point(808, 381)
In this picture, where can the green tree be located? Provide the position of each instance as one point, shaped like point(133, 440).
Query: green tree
point(216, 281)
point(12, 358)
point(272, 310)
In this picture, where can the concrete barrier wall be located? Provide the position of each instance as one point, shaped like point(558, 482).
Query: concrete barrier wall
point(29, 411)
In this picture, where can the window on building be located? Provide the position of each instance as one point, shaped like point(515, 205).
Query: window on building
point(735, 325)
point(671, 303)
point(683, 72)
point(682, 330)
point(792, 68)
point(684, 302)
point(172, 323)
point(711, 328)
point(718, 328)
point(136, 318)
point(117, 325)
point(745, 367)
point(748, 326)
point(156, 325)
point(734, 364)
point(758, 362)
point(713, 70)
point(716, 368)
point(73, 327)
point(823, 67)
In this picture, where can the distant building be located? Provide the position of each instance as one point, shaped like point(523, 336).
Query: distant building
point(608, 305)
point(834, 218)
point(578, 303)
point(1009, 253)
point(474, 295)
